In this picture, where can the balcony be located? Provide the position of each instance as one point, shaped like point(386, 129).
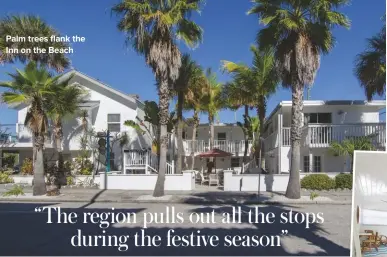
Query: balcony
point(236, 147)
point(322, 135)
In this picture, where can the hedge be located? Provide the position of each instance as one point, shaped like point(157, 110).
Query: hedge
point(318, 182)
point(343, 181)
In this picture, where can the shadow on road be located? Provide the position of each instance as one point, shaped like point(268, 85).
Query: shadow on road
point(24, 232)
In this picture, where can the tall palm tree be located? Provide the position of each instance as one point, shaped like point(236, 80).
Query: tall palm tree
point(213, 101)
point(24, 26)
point(371, 66)
point(64, 103)
point(195, 100)
point(257, 82)
point(32, 87)
point(299, 31)
point(153, 27)
point(189, 73)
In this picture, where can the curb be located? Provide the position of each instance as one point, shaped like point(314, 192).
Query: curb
point(178, 201)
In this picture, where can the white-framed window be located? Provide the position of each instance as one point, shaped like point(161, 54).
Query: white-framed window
point(318, 118)
point(235, 162)
point(306, 163)
point(316, 163)
point(114, 122)
point(222, 136)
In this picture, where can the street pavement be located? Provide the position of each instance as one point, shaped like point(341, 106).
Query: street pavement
point(24, 231)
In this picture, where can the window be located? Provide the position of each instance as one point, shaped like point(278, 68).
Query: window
point(235, 162)
point(222, 136)
point(114, 122)
point(317, 163)
point(315, 118)
point(306, 164)
point(184, 135)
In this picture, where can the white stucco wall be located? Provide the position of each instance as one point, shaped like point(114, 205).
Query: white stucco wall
point(255, 182)
point(178, 182)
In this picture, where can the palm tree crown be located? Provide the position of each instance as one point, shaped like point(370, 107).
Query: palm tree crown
point(35, 27)
point(299, 31)
point(371, 66)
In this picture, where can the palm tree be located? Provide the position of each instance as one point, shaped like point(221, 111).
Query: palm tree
point(371, 66)
point(24, 26)
point(236, 94)
point(348, 146)
point(195, 100)
point(257, 82)
point(64, 103)
point(153, 27)
point(299, 32)
point(189, 73)
point(32, 87)
point(213, 101)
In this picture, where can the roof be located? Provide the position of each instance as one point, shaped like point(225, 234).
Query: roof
point(376, 103)
point(131, 97)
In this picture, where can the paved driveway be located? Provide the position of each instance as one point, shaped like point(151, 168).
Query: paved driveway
point(25, 232)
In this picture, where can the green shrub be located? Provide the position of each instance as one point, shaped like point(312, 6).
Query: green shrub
point(70, 180)
point(343, 181)
point(317, 182)
point(313, 195)
point(27, 167)
point(5, 178)
point(16, 190)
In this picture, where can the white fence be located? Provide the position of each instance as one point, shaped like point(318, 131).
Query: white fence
point(262, 182)
point(175, 182)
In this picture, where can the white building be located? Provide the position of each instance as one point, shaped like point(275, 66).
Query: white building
point(324, 122)
point(107, 108)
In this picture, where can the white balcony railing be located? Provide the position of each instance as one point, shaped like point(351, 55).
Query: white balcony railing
point(322, 135)
point(24, 134)
point(236, 147)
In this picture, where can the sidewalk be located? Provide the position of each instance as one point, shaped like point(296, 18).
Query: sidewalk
point(182, 197)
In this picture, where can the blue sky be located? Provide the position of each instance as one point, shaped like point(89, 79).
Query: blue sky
point(228, 33)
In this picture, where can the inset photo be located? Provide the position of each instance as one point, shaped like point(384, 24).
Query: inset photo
point(369, 205)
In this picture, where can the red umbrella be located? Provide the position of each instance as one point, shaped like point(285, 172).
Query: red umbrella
point(214, 153)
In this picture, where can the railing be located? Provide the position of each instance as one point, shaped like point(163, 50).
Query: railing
point(250, 165)
point(171, 168)
point(285, 136)
point(323, 135)
point(199, 146)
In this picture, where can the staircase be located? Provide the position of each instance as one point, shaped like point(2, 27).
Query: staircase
point(144, 162)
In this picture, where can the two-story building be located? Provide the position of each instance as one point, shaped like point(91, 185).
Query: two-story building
point(324, 122)
point(107, 109)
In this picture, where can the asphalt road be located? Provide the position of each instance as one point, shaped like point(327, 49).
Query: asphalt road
point(24, 231)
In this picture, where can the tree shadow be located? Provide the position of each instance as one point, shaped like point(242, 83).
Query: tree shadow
point(25, 232)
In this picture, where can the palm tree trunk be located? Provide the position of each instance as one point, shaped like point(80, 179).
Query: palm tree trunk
point(261, 113)
point(195, 128)
point(163, 143)
point(293, 190)
point(212, 136)
point(180, 124)
point(39, 187)
point(246, 134)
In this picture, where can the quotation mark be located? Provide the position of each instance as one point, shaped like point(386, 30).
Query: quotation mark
point(284, 232)
point(37, 209)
